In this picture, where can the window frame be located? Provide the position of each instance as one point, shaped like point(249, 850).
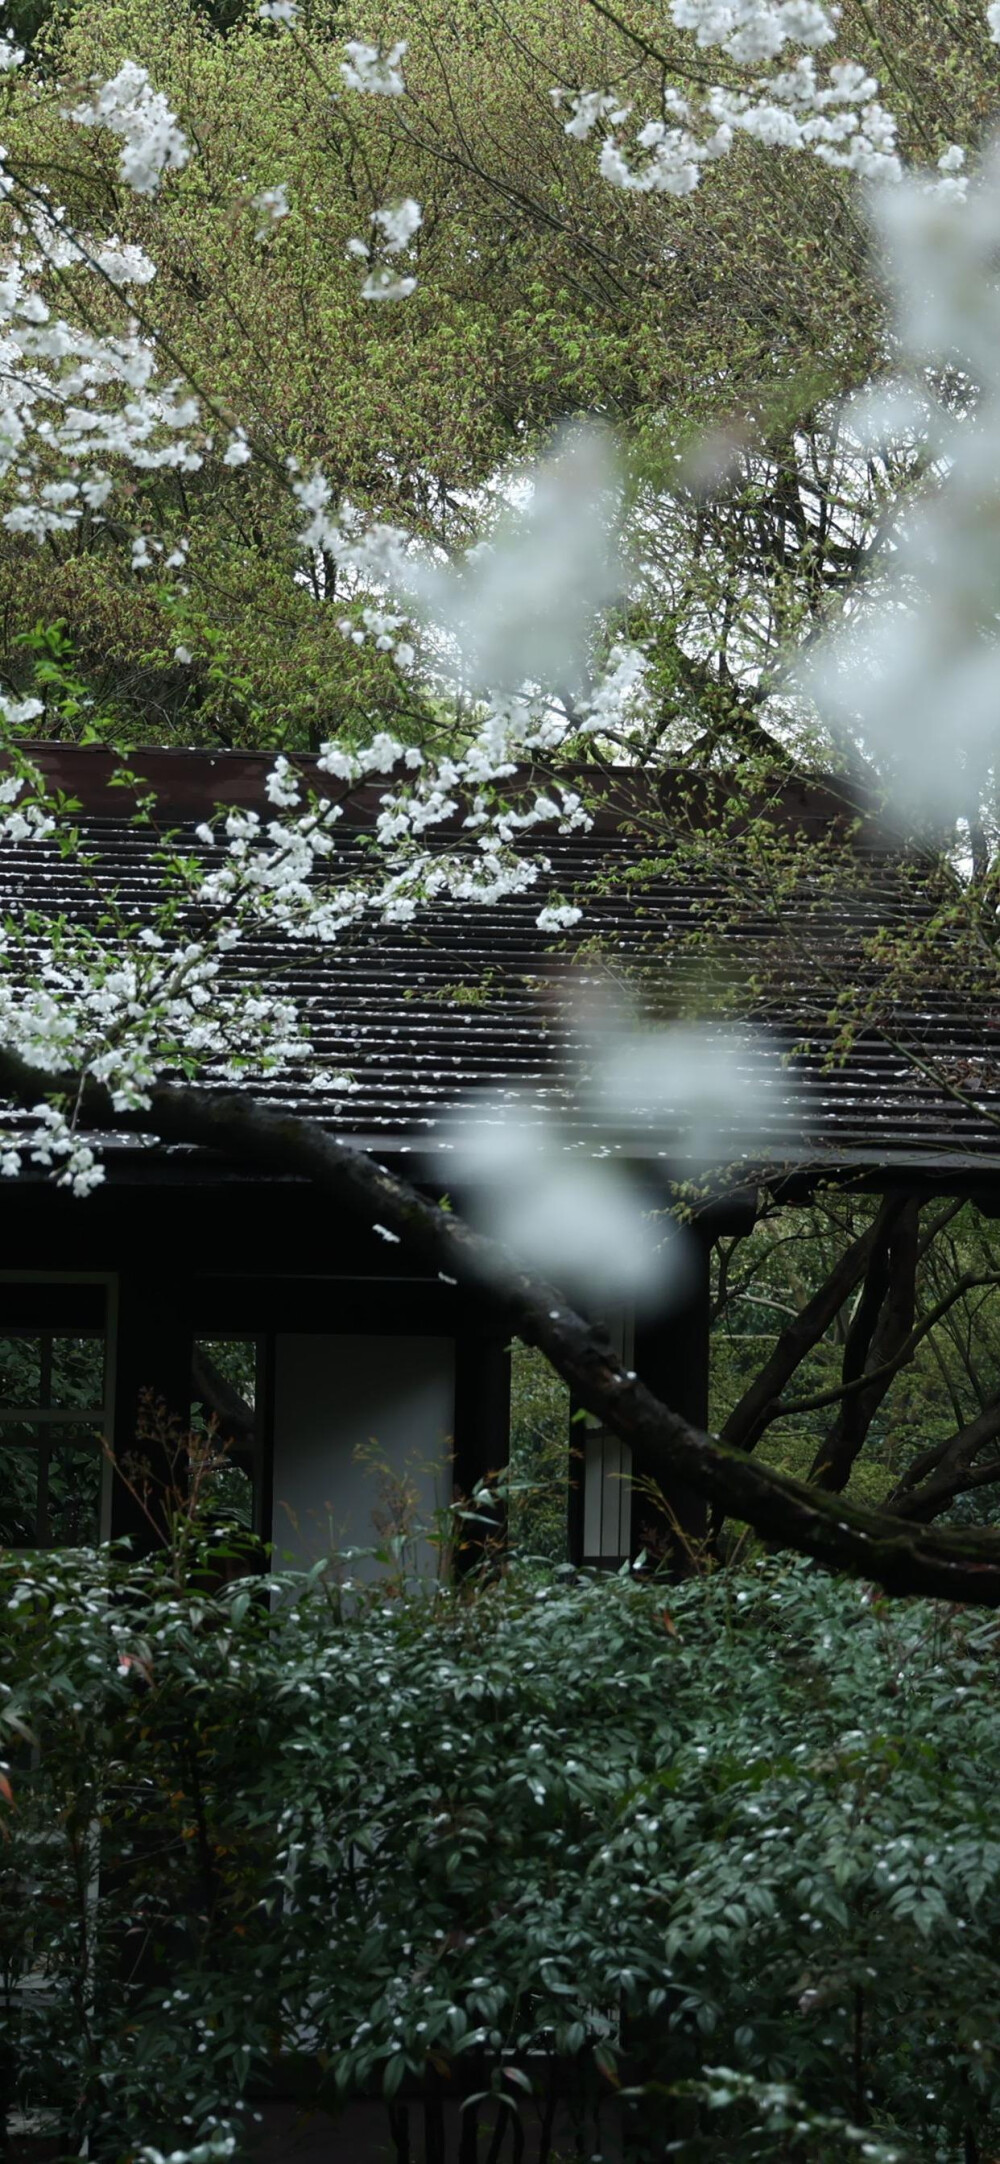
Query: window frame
point(45, 1325)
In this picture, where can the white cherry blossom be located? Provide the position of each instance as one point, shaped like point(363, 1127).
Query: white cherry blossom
point(399, 222)
point(271, 205)
point(370, 69)
point(384, 284)
point(152, 142)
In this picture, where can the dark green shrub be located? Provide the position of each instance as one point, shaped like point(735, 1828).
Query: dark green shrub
point(545, 1833)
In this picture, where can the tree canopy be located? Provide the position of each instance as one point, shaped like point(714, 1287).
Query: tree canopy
point(747, 309)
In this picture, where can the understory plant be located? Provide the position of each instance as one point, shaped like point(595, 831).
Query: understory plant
point(710, 1871)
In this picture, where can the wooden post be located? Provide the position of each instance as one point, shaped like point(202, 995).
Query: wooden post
point(672, 1359)
point(152, 1369)
point(600, 1480)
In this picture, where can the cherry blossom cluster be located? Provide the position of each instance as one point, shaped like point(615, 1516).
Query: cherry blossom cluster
point(122, 1009)
point(153, 1000)
point(396, 224)
point(152, 142)
point(149, 1000)
point(836, 115)
point(370, 69)
point(271, 205)
point(73, 402)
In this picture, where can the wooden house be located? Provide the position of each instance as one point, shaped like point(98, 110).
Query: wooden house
point(184, 1271)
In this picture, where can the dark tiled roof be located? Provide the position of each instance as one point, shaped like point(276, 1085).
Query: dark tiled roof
point(468, 999)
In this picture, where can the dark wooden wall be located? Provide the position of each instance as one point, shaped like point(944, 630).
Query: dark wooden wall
point(220, 1257)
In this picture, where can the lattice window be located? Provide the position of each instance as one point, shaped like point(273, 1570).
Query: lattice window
point(54, 1416)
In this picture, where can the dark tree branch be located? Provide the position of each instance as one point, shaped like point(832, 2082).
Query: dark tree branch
point(759, 1405)
point(939, 1474)
point(880, 1329)
point(938, 1494)
point(970, 1281)
point(903, 1558)
point(796, 1341)
point(725, 1254)
point(861, 1330)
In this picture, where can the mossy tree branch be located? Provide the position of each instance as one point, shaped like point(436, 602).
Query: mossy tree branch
point(903, 1558)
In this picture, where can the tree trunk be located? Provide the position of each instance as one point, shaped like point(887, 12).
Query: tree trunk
point(749, 1418)
point(878, 1332)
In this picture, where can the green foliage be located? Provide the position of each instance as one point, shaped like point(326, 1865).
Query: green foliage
point(68, 702)
point(37, 25)
point(539, 1464)
point(540, 1833)
point(765, 1280)
point(541, 293)
point(405, 408)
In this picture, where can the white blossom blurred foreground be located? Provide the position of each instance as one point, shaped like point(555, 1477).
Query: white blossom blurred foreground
point(697, 1097)
point(913, 673)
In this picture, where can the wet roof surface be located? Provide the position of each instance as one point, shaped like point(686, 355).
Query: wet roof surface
point(479, 1000)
